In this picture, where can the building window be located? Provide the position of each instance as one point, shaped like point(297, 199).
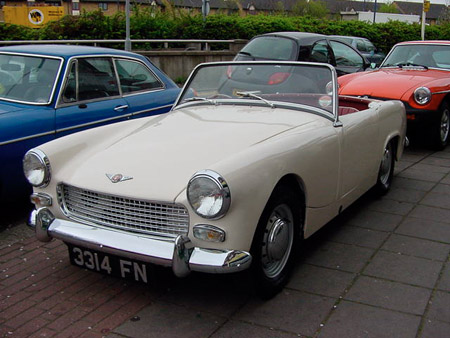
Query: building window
point(103, 6)
point(2, 3)
point(75, 6)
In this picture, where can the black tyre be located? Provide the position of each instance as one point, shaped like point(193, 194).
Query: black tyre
point(276, 241)
point(386, 171)
point(441, 127)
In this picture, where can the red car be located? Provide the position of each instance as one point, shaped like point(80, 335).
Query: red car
point(418, 74)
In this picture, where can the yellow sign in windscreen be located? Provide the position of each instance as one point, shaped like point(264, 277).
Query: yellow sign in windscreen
point(31, 16)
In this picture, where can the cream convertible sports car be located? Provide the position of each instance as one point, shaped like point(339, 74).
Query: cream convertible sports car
point(254, 157)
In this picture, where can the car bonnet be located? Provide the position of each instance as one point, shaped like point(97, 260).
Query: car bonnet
point(162, 154)
point(390, 83)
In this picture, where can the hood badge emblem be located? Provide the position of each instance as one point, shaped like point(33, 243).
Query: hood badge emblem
point(116, 178)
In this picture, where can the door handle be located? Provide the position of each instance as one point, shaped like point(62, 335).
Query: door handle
point(119, 108)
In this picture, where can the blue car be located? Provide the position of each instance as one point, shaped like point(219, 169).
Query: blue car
point(48, 91)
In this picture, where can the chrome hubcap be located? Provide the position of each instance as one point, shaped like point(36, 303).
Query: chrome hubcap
point(386, 164)
point(445, 125)
point(277, 241)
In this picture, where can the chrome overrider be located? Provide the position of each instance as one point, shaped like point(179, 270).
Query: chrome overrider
point(178, 254)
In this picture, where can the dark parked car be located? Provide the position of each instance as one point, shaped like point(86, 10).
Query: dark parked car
point(364, 46)
point(48, 91)
point(301, 46)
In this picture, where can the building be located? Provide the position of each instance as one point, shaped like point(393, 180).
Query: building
point(244, 7)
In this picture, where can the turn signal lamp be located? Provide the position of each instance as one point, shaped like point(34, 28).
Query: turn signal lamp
point(209, 233)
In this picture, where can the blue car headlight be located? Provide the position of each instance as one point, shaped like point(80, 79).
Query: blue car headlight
point(36, 168)
point(208, 194)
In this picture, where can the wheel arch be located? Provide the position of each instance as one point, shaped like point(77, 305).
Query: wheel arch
point(396, 146)
point(270, 271)
point(446, 99)
point(297, 186)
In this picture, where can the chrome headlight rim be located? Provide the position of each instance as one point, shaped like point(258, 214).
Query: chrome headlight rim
point(44, 162)
point(422, 95)
point(220, 183)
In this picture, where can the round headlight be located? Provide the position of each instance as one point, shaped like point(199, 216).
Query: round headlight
point(208, 194)
point(36, 168)
point(422, 95)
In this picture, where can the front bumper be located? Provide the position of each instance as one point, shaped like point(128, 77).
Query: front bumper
point(420, 117)
point(178, 254)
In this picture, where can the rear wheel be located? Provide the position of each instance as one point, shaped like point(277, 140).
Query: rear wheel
point(441, 127)
point(386, 171)
point(276, 241)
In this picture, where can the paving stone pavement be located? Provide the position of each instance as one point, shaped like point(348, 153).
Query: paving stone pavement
point(381, 269)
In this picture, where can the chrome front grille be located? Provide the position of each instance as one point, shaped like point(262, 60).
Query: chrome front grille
point(147, 217)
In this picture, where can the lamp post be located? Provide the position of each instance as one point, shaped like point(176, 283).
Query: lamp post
point(127, 26)
point(426, 7)
point(205, 9)
point(374, 11)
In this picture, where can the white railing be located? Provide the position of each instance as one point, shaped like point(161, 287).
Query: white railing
point(201, 44)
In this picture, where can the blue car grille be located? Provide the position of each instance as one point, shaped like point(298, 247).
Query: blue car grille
point(147, 217)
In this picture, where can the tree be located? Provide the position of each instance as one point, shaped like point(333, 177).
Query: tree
point(278, 7)
point(316, 9)
point(388, 7)
point(444, 17)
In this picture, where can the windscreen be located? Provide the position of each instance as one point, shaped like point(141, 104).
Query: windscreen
point(292, 84)
point(268, 48)
point(27, 78)
point(434, 56)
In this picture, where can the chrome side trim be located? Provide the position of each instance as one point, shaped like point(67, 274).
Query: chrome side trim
point(442, 92)
point(152, 90)
point(153, 109)
point(111, 119)
point(27, 138)
point(85, 125)
point(93, 123)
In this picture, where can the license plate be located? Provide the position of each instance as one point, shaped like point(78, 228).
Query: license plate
point(109, 264)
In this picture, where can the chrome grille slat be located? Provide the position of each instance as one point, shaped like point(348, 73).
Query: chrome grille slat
point(148, 217)
point(128, 218)
point(107, 203)
point(130, 214)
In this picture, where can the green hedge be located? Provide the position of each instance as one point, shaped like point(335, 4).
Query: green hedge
point(146, 24)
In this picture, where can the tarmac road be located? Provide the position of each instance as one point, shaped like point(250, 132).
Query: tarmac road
point(381, 269)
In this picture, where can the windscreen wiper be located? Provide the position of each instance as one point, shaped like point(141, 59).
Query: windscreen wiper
point(245, 53)
point(406, 64)
point(254, 96)
point(196, 98)
point(410, 64)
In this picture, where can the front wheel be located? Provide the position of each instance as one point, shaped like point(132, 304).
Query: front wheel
point(276, 240)
point(386, 170)
point(441, 127)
